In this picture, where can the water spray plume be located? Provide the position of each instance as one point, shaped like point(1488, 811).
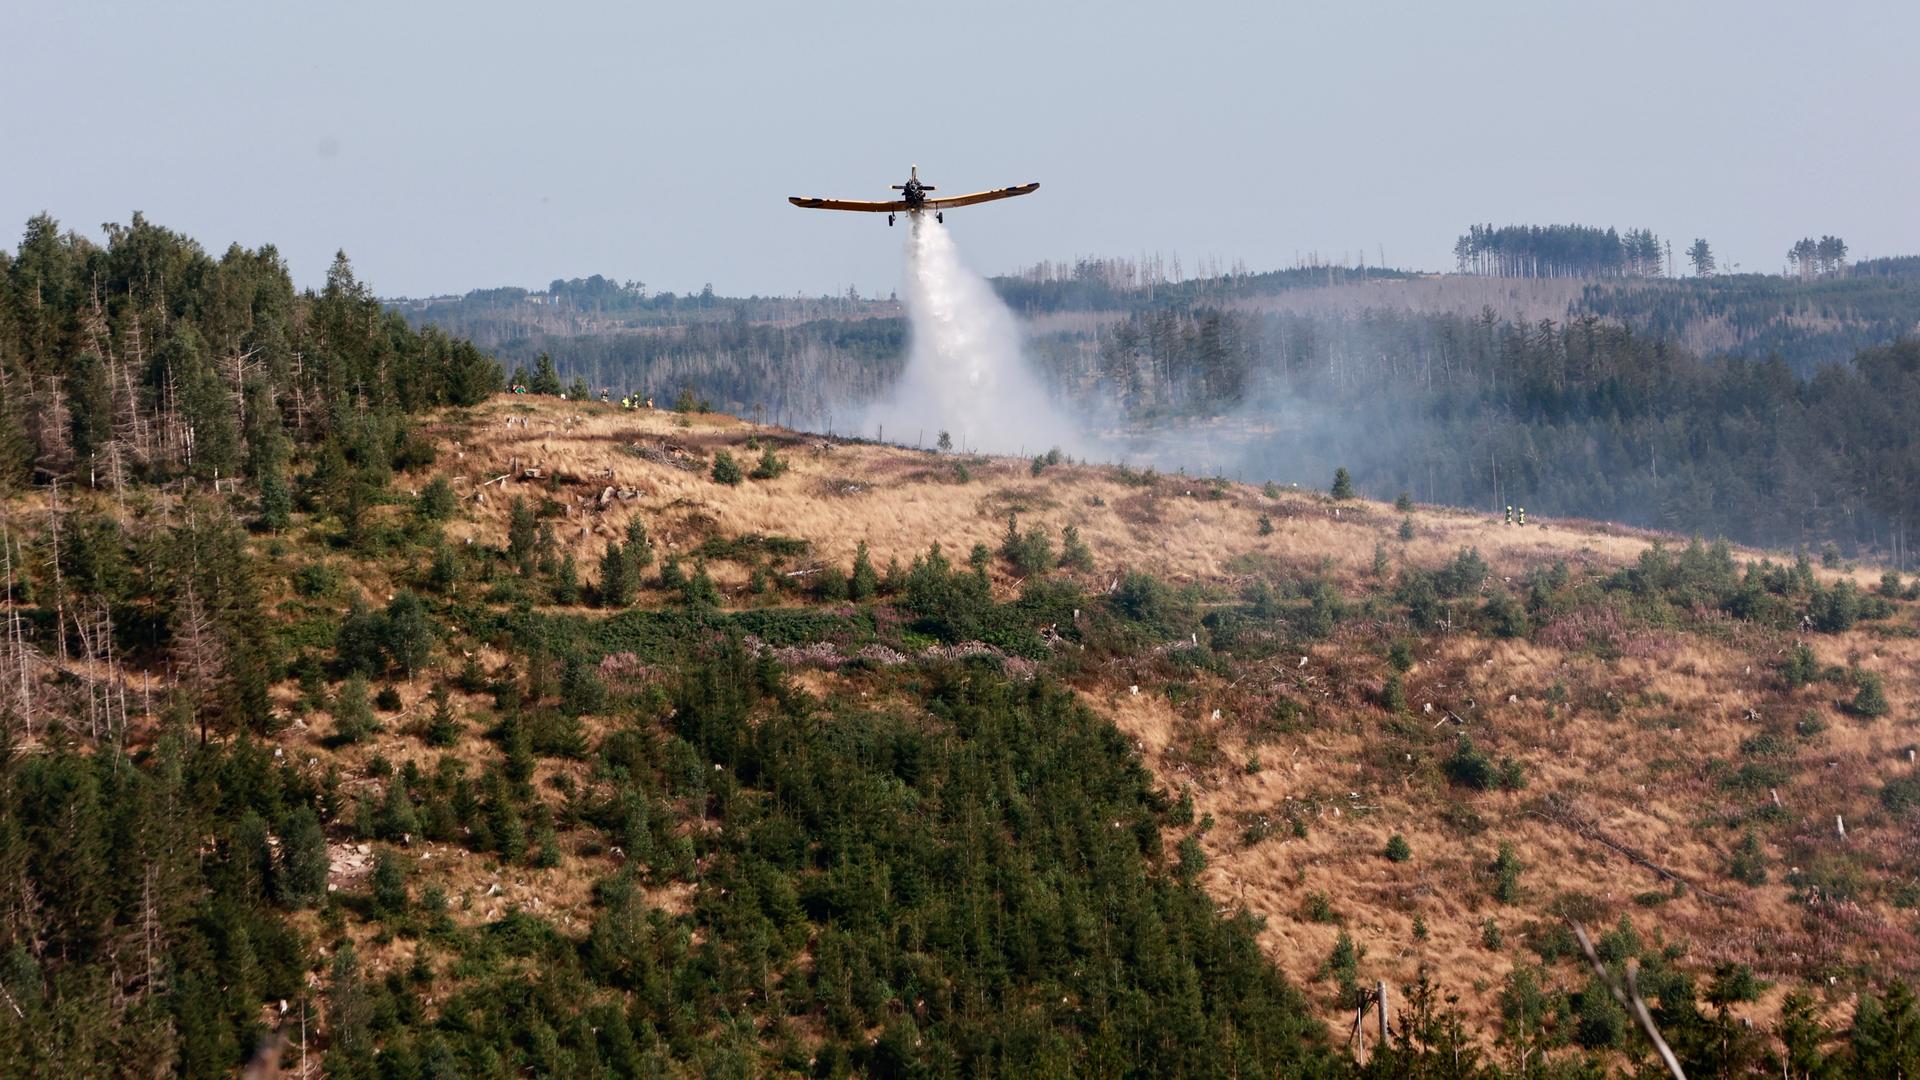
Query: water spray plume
point(965, 371)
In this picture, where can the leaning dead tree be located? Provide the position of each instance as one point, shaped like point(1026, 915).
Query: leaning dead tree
point(1629, 998)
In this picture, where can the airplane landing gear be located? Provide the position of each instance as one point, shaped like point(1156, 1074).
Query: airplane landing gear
point(940, 216)
point(889, 221)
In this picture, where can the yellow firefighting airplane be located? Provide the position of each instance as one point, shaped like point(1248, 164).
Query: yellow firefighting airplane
point(913, 199)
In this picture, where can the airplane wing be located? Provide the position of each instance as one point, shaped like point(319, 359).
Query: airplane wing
point(981, 196)
point(849, 204)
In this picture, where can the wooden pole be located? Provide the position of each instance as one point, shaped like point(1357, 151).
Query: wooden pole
point(1380, 1008)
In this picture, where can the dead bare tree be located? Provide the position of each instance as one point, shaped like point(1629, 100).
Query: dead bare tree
point(197, 652)
point(1629, 998)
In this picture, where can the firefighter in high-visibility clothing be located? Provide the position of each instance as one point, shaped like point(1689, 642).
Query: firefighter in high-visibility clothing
point(1523, 517)
point(1509, 514)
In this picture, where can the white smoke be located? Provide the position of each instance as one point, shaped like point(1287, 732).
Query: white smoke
point(965, 373)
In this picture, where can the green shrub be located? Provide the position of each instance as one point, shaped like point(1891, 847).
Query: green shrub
point(436, 502)
point(1505, 616)
point(353, 718)
point(1506, 870)
point(864, 583)
point(1393, 695)
point(1318, 908)
point(770, 466)
point(1343, 967)
point(725, 469)
point(316, 579)
point(1870, 700)
point(1400, 656)
point(1835, 610)
point(1030, 553)
point(389, 884)
point(1599, 1021)
point(1749, 862)
point(1074, 552)
point(1901, 795)
point(1398, 849)
point(1469, 767)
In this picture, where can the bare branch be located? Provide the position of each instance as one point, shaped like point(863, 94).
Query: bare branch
point(1629, 999)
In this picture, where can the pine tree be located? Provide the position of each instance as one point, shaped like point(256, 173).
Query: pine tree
point(396, 819)
point(436, 502)
point(617, 585)
point(1342, 484)
point(443, 727)
point(1393, 694)
point(639, 551)
point(725, 469)
point(276, 501)
point(1701, 256)
point(1749, 863)
point(410, 632)
point(389, 884)
point(349, 1015)
point(1506, 875)
point(302, 881)
point(1074, 552)
point(353, 717)
point(672, 578)
point(864, 583)
point(581, 691)
point(545, 379)
point(699, 590)
point(523, 532)
point(1870, 700)
point(1800, 666)
point(444, 573)
point(770, 466)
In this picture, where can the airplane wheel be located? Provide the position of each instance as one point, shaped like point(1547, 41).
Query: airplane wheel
point(940, 217)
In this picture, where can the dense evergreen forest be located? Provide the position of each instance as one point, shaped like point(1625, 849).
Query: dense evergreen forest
point(1808, 324)
point(1582, 418)
point(1580, 251)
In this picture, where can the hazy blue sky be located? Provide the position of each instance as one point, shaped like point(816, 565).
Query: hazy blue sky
point(451, 146)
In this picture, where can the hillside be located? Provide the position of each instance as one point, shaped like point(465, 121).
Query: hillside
point(1638, 694)
point(578, 757)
